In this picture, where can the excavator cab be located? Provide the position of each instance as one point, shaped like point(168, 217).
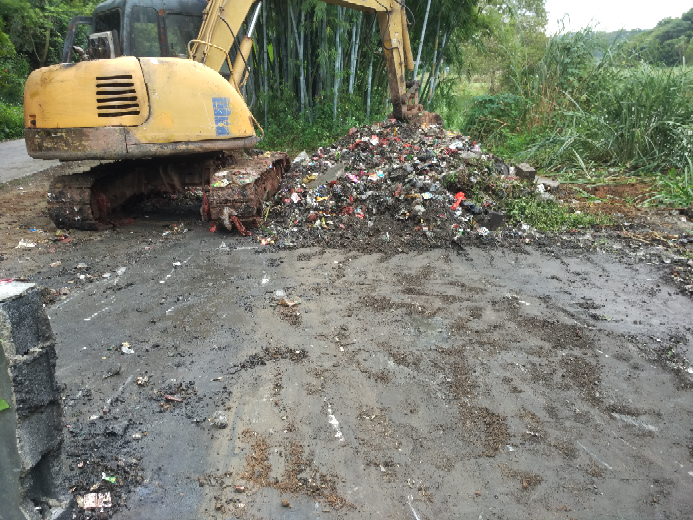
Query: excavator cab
point(140, 28)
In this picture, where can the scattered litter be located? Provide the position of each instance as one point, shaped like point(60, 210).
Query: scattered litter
point(105, 477)
point(113, 372)
point(121, 270)
point(81, 265)
point(94, 500)
point(396, 183)
point(64, 291)
point(126, 348)
point(3, 405)
point(220, 420)
point(174, 398)
point(303, 156)
point(142, 380)
point(287, 302)
point(25, 245)
point(56, 264)
point(136, 435)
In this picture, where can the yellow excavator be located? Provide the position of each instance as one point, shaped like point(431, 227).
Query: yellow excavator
point(150, 92)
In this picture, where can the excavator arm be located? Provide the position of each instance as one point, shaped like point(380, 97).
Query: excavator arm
point(223, 19)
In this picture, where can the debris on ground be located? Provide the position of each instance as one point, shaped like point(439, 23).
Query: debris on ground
point(94, 500)
point(396, 185)
point(220, 420)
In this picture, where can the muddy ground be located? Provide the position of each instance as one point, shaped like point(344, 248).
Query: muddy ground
point(488, 380)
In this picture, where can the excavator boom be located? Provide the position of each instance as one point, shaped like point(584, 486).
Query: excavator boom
point(223, 19)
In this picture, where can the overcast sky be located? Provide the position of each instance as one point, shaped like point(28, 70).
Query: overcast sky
point(612, 15)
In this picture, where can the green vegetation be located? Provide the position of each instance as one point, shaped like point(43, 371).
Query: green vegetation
point(293, 132)
point(11, 121)
point(669, 43)
point(674, 189)
point(550, 215)
point(582, 103)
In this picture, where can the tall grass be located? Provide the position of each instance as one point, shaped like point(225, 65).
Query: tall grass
point(641, 118)
point(570, 110)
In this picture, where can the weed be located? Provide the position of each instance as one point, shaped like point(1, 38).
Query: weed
point(675, 189)
point(11, 121)
point(550, 215)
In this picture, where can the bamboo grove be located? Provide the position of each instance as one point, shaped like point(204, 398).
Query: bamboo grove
point(310, 53)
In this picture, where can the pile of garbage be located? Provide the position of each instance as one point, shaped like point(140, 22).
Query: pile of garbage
point(392, 185)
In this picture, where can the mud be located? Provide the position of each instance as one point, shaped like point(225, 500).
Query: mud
point(537, 381)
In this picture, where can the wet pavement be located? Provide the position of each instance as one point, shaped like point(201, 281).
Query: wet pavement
point(476, 382)
point(15, 163)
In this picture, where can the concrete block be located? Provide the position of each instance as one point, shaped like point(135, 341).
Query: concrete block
point(550, 184)
point(39, 433)
point(23, 321)
point(33, 380)
point(525, 172)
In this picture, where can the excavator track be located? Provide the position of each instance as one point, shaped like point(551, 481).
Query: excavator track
point(238, 191)
point(70, 202)
point(234, 188)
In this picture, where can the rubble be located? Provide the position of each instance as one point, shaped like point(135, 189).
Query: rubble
point(391, 185)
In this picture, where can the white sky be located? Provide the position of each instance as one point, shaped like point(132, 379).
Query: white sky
point(612, 15)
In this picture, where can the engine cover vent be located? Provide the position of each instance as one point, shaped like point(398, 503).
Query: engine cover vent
point(116, 96)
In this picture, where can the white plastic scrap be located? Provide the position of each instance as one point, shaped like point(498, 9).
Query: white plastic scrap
point(126, 348)
point(303, 156)
point(94, 500)
point(23, 244)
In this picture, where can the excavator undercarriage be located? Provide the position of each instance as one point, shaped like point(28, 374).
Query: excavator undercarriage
point(233, 188)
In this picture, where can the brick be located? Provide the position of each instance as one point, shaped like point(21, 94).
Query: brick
point(525, 172)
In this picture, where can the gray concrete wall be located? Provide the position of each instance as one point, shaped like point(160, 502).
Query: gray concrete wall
point(9, 451)
point(31, 429)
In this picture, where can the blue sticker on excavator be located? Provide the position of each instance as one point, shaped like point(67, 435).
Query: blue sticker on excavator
point(221, 115)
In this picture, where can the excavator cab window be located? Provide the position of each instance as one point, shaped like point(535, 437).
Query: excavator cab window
point(107, 21)
point(144, 34)
point(180, 29)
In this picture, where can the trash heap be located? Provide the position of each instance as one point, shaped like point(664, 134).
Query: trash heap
point(391, 185)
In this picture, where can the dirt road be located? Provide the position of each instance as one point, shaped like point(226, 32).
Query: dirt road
point(483, 382)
